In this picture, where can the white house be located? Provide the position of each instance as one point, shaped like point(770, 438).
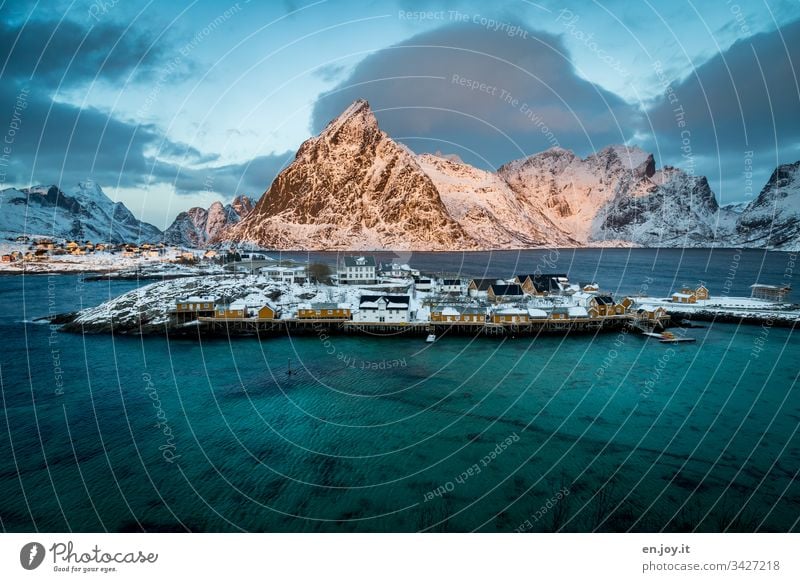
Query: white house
point(453, 286)
point(358, 271)
point(383, 309)
point(285, 274)
point(397, 271)
point(423, 284)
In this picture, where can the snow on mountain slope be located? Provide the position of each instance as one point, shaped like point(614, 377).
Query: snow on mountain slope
point(675, 210)
point(488, 210)
point(772, 220)
point(84, 212)
point(352, 187)
point(197, 227)
point(571, 191)
point(616, 195)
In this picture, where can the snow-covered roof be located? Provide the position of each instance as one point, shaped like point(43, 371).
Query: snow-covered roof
point(536, 312)
point(682, 295)
point(359, 261)
point(512, 311)
point(577, 311)
point(199, 299)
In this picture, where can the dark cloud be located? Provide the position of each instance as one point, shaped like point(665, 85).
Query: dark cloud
point(67, 53)
point(417, 91)
point(745, 99)
point(55, 142)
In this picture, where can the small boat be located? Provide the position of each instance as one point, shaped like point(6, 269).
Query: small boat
point(669, 338)
point(431, 338)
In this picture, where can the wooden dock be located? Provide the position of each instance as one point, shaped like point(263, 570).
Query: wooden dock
point(254, 326)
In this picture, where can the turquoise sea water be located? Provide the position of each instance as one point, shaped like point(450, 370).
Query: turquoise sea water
point(579, 433)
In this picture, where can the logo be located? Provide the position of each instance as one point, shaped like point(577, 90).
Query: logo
point(31, 555)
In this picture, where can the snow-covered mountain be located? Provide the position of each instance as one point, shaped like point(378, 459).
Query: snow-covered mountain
point(197, 226)
point(488, 210)
point(83, 212)
point(772, 220)
point(617, 195)
point(352, 187)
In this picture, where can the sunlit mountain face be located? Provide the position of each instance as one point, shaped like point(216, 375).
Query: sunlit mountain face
point(186, 106)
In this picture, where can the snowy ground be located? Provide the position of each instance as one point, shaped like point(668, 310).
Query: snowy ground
point(148, 308)
point(730, 306)
point(96, 263)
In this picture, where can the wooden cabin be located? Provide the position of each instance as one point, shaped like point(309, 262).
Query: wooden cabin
point(603, 304)
point(236, 310)
point(267, 312)
point(559, 313)
point(324, 311)
point(458, 314)
point(511, 292)
point(479, 287)
point(701, 293)
point(541, 284)
point(511, 315)
point(684, 296)
point(769, 292)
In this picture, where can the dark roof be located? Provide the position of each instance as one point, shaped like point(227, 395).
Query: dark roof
point(512, 289)
point(604, 299)
point(451, 282)
point(543, 282)
point(484, 284)
point(363, 261)
point(389, 298)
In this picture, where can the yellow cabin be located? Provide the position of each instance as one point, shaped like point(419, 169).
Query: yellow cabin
point(458, 315)
point(604, 305)
point(232, 311)
point(324, 311)
point(267, 312)
point(510, 316)
point(701, 293)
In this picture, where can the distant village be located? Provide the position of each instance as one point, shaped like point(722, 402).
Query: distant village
point(39, 249)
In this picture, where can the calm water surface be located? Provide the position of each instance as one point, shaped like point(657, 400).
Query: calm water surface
point(388, 434)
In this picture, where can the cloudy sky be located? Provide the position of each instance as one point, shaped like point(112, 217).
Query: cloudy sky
point(171, 106)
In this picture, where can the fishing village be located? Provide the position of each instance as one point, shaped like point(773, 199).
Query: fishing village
point(367, 297)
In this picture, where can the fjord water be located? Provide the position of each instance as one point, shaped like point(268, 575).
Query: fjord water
point(600, 432)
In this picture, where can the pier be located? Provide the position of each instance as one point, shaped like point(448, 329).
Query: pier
point(253, 326)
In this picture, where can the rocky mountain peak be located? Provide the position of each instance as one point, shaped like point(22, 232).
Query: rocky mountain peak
point(356, 124)
point(242, 205)
point(352, 187)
